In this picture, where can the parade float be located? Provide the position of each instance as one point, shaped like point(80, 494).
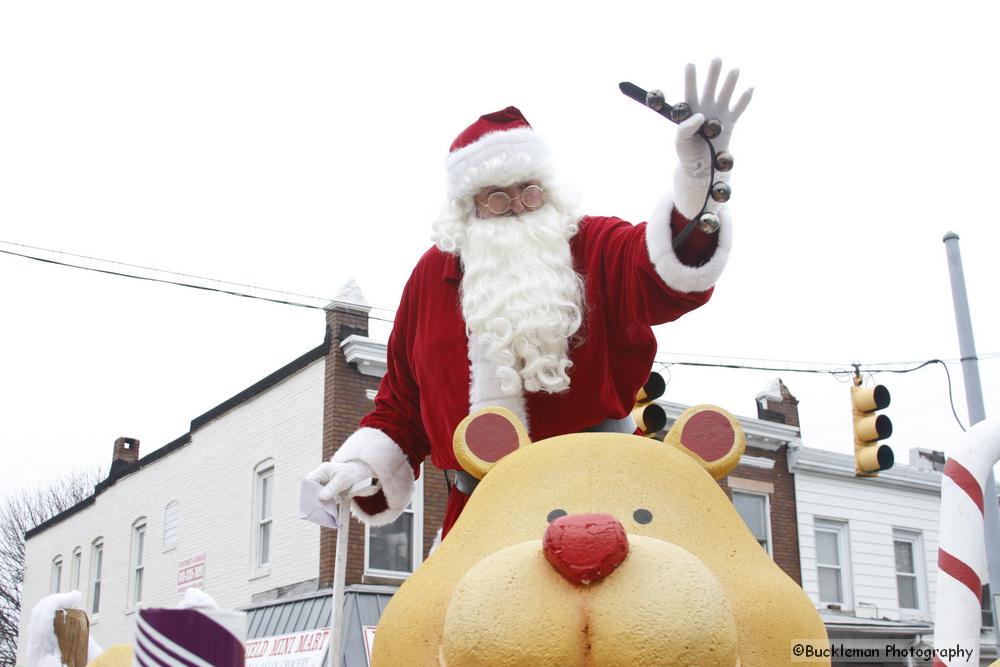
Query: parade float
point(598, 549)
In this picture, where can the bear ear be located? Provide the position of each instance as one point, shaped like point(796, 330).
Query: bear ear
point(485, 437)
point(711, 436)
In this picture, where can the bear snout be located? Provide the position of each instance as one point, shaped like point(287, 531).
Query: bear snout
point(585, 548)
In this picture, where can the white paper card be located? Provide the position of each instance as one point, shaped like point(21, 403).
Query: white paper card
point(311, 508)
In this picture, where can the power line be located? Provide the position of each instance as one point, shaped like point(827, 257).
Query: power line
point(830, 367)
point(665, 365)
point(319, 303)
point(183, 280)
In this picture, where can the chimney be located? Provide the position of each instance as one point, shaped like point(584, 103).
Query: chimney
point(126, 453)
point(776, 404)
point(929, 460)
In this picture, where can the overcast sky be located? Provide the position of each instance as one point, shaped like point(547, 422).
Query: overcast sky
point(297, 145)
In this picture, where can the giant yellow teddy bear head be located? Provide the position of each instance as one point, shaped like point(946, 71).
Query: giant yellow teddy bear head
point(598, 549)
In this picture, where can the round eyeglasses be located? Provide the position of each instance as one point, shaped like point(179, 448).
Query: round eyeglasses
point(500, 202)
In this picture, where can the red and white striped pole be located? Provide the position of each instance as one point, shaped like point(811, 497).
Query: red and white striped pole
point(961, 546)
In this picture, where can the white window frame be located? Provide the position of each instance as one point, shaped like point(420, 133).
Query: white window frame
point(55, 575)
point(839, 528)
point(96, 573)
point(171, 525)
point(915, 540)
point(76, 564)
point(265, 470)
point(416, 507)
point(767, 516)
point(137, 563)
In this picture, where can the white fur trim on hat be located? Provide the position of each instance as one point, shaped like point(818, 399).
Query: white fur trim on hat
point(484, 386)
point(391, 467)
point(498, 158)
point(679, 276)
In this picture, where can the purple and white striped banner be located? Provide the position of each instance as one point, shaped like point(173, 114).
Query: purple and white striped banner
point(184, 638)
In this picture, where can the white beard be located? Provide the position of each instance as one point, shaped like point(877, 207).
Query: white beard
point(521, 299)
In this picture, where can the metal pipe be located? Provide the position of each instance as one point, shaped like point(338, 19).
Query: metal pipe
point(976, 409)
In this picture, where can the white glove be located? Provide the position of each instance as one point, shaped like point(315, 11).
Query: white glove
point(350, 477)
point(691, 179)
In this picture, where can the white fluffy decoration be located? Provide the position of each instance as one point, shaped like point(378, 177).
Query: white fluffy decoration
point(43, 647)
point(195, 598)
point(392, 468)
point(498, 158)
point(678, 276)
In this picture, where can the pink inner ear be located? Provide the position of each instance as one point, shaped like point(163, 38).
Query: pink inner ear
point(709, 435)
point(491, 437)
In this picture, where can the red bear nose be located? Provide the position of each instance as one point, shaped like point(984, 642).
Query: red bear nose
point(585, 548)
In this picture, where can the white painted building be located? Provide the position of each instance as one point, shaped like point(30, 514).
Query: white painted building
point(216, 508)
point(869, 546)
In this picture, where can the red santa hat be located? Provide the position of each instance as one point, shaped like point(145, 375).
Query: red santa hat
point(498, 149)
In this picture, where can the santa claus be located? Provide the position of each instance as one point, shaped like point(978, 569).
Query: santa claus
point(525, 304)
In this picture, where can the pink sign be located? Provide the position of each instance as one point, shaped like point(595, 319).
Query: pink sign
point(191, 573)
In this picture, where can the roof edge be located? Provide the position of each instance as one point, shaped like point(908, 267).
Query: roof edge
point(263, 385)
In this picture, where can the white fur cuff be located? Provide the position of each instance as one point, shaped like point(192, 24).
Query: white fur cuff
point(677, 275)
point(391, 466)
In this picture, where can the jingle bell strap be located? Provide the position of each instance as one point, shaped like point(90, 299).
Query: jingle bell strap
point(718, 191)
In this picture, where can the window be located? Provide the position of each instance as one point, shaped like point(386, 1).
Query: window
point(137, 569)
point(264, 493)
point(909, 569)
point(832, 569)
point(755, 509)
point(56, 580)
point(74, 569)
point(395, 550)
point(96, 563)
point(170, 520)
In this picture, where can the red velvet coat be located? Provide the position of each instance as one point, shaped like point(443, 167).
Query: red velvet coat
point(425, 391)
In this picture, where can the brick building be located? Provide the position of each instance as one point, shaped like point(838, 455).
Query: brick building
point(761, 486)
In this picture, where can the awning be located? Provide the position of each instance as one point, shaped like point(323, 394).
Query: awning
point(363, 606)
point(843, 625)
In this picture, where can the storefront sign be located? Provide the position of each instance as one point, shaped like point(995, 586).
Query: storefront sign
point(300, 649)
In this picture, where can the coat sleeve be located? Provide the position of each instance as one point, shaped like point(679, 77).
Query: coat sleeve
point(392, 439)
point(696, 265)
point(637, 275)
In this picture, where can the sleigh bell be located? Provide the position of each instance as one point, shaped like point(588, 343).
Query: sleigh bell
point(708, 223)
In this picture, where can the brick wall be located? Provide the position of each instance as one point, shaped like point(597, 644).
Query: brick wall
point(778, 405)
point(784, 523)
point(345, 403)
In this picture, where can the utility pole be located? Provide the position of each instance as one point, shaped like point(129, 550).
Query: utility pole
point(977, 413)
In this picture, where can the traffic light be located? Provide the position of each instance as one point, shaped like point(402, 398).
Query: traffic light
point(869, 456)
point(648, 416)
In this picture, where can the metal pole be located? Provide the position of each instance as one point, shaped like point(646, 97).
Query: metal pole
point(977, 413)
point(335, 650)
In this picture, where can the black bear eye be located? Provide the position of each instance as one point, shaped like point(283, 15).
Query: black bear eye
point(555, 514)
point(642, 516)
